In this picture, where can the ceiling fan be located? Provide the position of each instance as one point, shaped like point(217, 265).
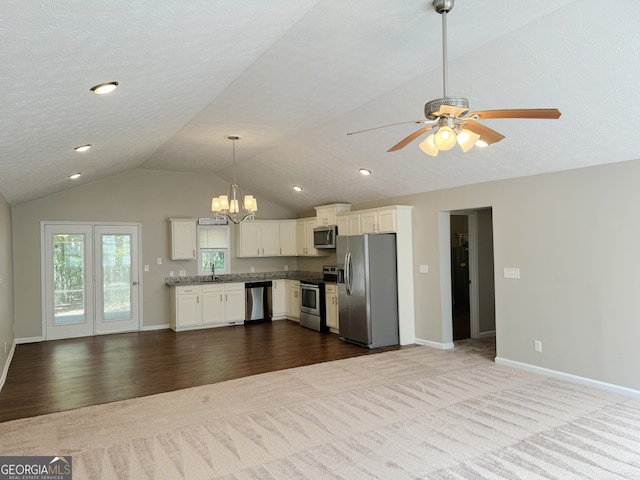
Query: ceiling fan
point(450, 116)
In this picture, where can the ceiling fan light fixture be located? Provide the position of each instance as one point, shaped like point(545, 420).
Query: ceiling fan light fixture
point(365, 172)
point(428, 147)
point(83, 148)
point(297, 188)
point(444, 138)
point(467, 139)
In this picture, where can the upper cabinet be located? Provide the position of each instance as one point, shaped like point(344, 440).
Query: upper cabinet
point(378, 221)
point(288, 238)
point(304, 237)
point(258, 238)
point(374, 220)
point(328, 214)
point(266, 238)
point(183, 238)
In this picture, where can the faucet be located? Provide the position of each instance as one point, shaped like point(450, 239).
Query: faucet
point(213, 271)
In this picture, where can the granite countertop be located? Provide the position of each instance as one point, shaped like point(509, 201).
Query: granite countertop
point(243, 277)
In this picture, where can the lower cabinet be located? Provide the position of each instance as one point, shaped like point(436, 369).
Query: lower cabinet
point(203, 306)
point(331, 294)
point(279, 300)
point(293, 299)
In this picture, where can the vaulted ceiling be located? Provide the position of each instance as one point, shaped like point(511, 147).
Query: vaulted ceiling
point(292, 78)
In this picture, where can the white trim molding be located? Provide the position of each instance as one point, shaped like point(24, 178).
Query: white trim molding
point(5, 370)
point(587, 382)
point(20, 341)
point(150, 328)
point(438, 345)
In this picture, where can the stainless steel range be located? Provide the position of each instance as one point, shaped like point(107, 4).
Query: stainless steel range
point(312, 300)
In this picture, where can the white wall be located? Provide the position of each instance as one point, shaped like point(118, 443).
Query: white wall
point(570, 235)
point(147, 196)
point(6, 287)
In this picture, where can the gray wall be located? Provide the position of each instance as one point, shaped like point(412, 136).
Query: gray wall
point(147, 196)
point(6, 285)
point(569, 234)
point(486, 281)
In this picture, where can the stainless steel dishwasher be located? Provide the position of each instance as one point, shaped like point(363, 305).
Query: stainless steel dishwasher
point(259, 306)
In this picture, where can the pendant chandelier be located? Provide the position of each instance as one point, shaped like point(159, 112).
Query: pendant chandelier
point(234, 207)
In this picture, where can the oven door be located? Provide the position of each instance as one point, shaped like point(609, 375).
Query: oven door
point(310, 298)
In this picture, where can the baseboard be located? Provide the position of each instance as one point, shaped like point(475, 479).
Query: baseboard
point(429, 343)
point(587, 382)
point(490, 333)
point(5, 370)
point(20, 341)
point(149, 328)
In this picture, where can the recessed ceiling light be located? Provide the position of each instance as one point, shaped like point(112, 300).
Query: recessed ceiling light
point(75, 175)
point(297, 188)
point(364, 171)
point(104, 88)
point(83, 148)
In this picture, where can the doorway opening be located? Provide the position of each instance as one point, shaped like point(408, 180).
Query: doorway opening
point(472, 286)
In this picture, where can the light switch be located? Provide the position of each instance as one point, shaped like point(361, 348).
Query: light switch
point(512, 273)
point(424, 268)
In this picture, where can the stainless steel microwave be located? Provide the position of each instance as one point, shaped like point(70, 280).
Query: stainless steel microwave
point(325, 237)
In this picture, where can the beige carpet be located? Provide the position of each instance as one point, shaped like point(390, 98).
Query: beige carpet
point(407, 414)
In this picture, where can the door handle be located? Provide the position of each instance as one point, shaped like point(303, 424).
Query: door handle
point(135, 283)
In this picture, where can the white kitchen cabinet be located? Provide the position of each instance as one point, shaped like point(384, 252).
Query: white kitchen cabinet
point(258, 239)
point(378, 221)
point(343, 224)
point(304, 236)
point(288, 240)
point(203, 306)
point(293, 299)
point(183, 238)
point(188, 309)
point(327, 214)
point(331, 295)
point(234, 303)
point(279, 299)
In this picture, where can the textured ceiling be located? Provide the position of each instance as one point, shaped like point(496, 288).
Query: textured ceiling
point(293, 77)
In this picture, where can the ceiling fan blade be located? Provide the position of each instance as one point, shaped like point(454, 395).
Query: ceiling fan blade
point(487, 135)
point(542, 113)
point(407, 140)
point(417, 122)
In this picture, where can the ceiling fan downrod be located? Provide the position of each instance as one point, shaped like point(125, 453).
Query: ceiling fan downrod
point(433, 109)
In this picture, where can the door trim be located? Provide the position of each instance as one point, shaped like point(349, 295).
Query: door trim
point(93, 224)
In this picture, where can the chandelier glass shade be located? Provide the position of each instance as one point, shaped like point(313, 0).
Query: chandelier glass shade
point(445, 138)
point(234, 207)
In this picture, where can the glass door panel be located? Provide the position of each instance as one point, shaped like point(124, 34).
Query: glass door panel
point(117, 286)
point(67, 281)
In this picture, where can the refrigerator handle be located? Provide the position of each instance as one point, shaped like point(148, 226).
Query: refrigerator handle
point(347, 265)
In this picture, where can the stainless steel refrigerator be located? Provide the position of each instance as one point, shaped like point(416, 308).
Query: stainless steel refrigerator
point(368, 290)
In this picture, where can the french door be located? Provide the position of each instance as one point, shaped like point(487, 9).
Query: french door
point(90, 279)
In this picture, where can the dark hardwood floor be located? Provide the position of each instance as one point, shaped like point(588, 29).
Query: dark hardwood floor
point(61, 375)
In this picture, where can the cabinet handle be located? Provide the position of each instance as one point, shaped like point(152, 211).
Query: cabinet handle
point(221, 297)
point(194, 254)
point(198, 299)
point(225, 297)
point(258, 251)
point(263, 251)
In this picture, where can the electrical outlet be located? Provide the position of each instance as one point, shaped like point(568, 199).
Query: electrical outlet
point(146, 268)
point(537, 345)
point(253, 269)
point(159, 261)
point(424, 268)
point(182, 273)
point(286, 268)
point(512, 273)
point(172, 273)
